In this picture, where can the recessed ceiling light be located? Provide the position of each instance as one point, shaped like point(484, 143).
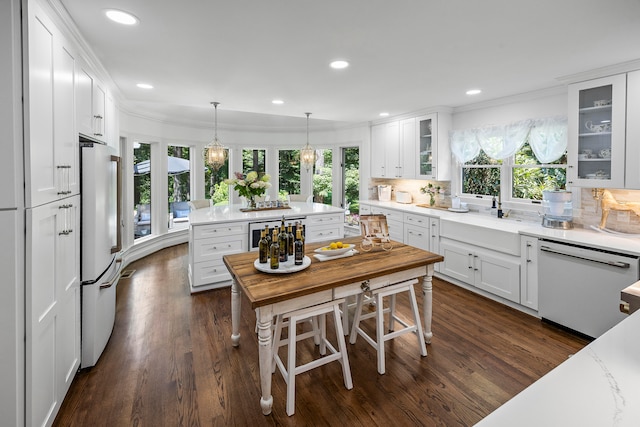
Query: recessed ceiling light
point(384, 114)
point(340, 64)
point(121, 17)
point(473, 91)
point(277, 102)
point(144, 86)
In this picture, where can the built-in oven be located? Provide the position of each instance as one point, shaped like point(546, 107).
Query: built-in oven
point(256, 227)
point(579, 287)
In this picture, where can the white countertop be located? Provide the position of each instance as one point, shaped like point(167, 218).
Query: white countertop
point(598, 386)
point(232, 213)
point(580, 236)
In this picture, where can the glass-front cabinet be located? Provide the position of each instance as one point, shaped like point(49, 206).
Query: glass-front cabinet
point(596, 153)
point(426, 127)
point(432, 146)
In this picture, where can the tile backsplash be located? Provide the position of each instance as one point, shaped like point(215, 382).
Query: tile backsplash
point(590, 211)
point(588, 214)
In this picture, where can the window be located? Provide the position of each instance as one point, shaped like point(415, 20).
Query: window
point(322, 177)
point(289, 168)
point(254, 160)
point(141, 189)
point(481, 176)
point(178, 180)
point(530, 177)
point(214, 188)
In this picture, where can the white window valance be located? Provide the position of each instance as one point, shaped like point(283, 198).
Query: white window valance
point(547, 137)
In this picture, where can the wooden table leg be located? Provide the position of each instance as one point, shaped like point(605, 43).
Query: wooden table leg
point(427, 303)
point(265, 321)
point(235, 313)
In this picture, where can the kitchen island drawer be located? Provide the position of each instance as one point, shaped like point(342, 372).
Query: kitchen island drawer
point(206, 273)
point(324, 220)
point(324, 234)
point(215, 248)
point(217, 230)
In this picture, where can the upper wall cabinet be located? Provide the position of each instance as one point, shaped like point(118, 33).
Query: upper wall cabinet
point(432, 144)
point(632, 171)
point(90, 104)
point(51, 148)
point(385, 141)
point(597, 126)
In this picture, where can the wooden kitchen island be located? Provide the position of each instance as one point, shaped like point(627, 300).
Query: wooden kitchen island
point(272, 294)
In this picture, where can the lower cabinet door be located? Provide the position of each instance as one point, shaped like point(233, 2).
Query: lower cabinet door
point(499, 274)
point(457, 261)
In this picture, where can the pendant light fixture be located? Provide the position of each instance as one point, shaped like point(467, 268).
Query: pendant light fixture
point(308, 153)
point(216, 154)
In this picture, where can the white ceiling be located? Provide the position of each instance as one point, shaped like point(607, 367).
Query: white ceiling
point(405, 55)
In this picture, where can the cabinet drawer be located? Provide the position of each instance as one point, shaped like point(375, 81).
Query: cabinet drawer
point(379, 282)
point(322, 220)
point(214, 248)
point(417, 237)
point(320, 234)
point(215, 230)
point(417, 220)
point(390, 214)
point(365, 209)
point(205, 273)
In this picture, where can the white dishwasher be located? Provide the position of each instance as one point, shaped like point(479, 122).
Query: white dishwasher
point(579, 287)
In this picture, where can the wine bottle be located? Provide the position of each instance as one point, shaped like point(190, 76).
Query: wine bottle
point(299, 248)
point(275, 251)
point(283, 242)
point(291, 239)
point(263, 248)
point(268, 236)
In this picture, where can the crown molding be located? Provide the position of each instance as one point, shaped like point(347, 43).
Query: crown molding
point(412, 114)
point(623, 67)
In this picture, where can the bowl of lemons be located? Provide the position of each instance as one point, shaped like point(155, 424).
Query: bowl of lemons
point(334, 248)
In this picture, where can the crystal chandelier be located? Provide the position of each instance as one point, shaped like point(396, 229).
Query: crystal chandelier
point(216, 154)
point(308, 153)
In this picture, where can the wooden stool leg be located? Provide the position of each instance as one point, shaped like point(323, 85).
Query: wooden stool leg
point(356, 319)
point(291, 367)
point(342, 348)
point(392, 312)
point(277, 336)
point(380, 332)
point(416, 318)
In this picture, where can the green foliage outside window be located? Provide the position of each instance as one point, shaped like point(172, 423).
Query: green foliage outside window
point(484, 179)
point(289, 165)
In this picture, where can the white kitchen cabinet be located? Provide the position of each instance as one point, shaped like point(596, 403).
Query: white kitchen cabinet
point(320, 228)
point(207, 245)
point(52, 301)
point(596, 133)
point(51, 148)
point(406, 167)
point(416, 231)
point(432, 151)
point(434, 239)
point(491, 271)
point(90, 104)
point(529, 272)
point(385, 140)
point(632, 148)
point(395, 222)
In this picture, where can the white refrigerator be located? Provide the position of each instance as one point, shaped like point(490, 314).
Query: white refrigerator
point(100, 262)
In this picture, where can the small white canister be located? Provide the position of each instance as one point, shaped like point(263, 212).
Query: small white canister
point(455, 202)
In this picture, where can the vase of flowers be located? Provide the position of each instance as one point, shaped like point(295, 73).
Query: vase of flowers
point(250, 186)
point(431, 190)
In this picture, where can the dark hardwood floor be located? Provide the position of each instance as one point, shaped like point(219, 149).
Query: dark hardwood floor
point(170, 362)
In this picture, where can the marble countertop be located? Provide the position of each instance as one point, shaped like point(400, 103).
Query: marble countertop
point(232, 213)
point(598, 386)
point(579, 236)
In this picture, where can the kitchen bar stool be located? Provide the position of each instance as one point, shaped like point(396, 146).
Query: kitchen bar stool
point(381, 337)
point(290, 371)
